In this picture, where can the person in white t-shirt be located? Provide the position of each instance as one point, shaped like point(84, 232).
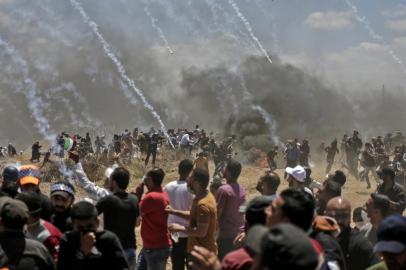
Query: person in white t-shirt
point(180, 198)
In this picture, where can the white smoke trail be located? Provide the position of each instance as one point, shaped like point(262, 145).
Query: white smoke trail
point(249, 29)
point(158, 29)
point(216, 9)
point(35, 102)
point(270, 122)
point(120, 67)
point(376, 36)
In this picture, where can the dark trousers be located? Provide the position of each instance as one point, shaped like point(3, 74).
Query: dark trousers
point(153, 153)
point(179, 254)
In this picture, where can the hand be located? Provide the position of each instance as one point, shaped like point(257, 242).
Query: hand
point(170, 210)
point(176, 228)
point(73, 155)
point(87, 242)
point(204, 259)
point(239, 239)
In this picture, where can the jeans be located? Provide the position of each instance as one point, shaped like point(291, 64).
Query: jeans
point(141, 263)
point(131, 257)
point(179, 254)
point(225, 246)
point(156, 258)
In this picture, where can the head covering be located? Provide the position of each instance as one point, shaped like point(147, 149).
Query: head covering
point(13, 211)
point(29, 174)
point(284, 246)
point(10, 173)
point(298, 172)
point(392, 235)
point(62, 189)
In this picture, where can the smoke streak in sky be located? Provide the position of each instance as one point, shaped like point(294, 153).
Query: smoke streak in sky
point(158, 29)
point(268, 120)
point(120, 67)
point(35, 102)
point(375, 35)
point(249, 29)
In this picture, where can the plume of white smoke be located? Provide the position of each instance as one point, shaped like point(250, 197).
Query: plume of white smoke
point(158, 29)
point(249, 29)
point(269, 121)
point(365, 23)
point(120, 67)
point(35, 103)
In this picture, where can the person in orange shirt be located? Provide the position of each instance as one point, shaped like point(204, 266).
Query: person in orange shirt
point(201, 162)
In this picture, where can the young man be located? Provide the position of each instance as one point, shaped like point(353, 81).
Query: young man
point(296, 178)
point(18, 252)
point(329, 189)
point(154, 224)
point(393, 190)
point(202, 216)
point(39, 229)
point(241, 258)
point(268, 184)
point(85, 247)
point(201, 162)
point(391, 244)
point(10, 177)
point(229, 198)
point(378, 208)
point(29, 181)
point(121, 212)
point(62, 198)
point(180, 198)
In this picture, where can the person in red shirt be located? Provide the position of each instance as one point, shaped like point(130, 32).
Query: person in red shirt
point(154, 222)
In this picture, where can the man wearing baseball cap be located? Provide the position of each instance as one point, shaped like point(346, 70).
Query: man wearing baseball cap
point(62, 198)
point(18, 252)
point(391, 244)
point(10, 177)
point(296, 178)
point(29, 179)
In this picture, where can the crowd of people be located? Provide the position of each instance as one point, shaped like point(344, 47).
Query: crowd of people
point(203, 220)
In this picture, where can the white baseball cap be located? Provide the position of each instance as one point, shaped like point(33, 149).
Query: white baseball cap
point(298, 172)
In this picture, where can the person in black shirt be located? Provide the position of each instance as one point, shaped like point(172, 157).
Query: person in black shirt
point(152, 149)
point(35, 154)
point(85, 247)
point(18, 252)
point(121, 212)
point(10, 177)
point(358, 251)
point(393, 190)
point(62, 198)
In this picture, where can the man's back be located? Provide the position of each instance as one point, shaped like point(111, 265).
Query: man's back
point(154, 225)
point(204, 209)
point(179, 198)
point(229, 198)
point(120, 214)
point(107, 254)
point(357, 250)
point(18, 252)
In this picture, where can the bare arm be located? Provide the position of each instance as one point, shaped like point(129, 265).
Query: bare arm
point(179, 213)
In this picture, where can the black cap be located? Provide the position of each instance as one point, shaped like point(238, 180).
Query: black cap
point(13, 213)
point(10, 173)
point(32, 200)
point(392, 235)
point(284, 246)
